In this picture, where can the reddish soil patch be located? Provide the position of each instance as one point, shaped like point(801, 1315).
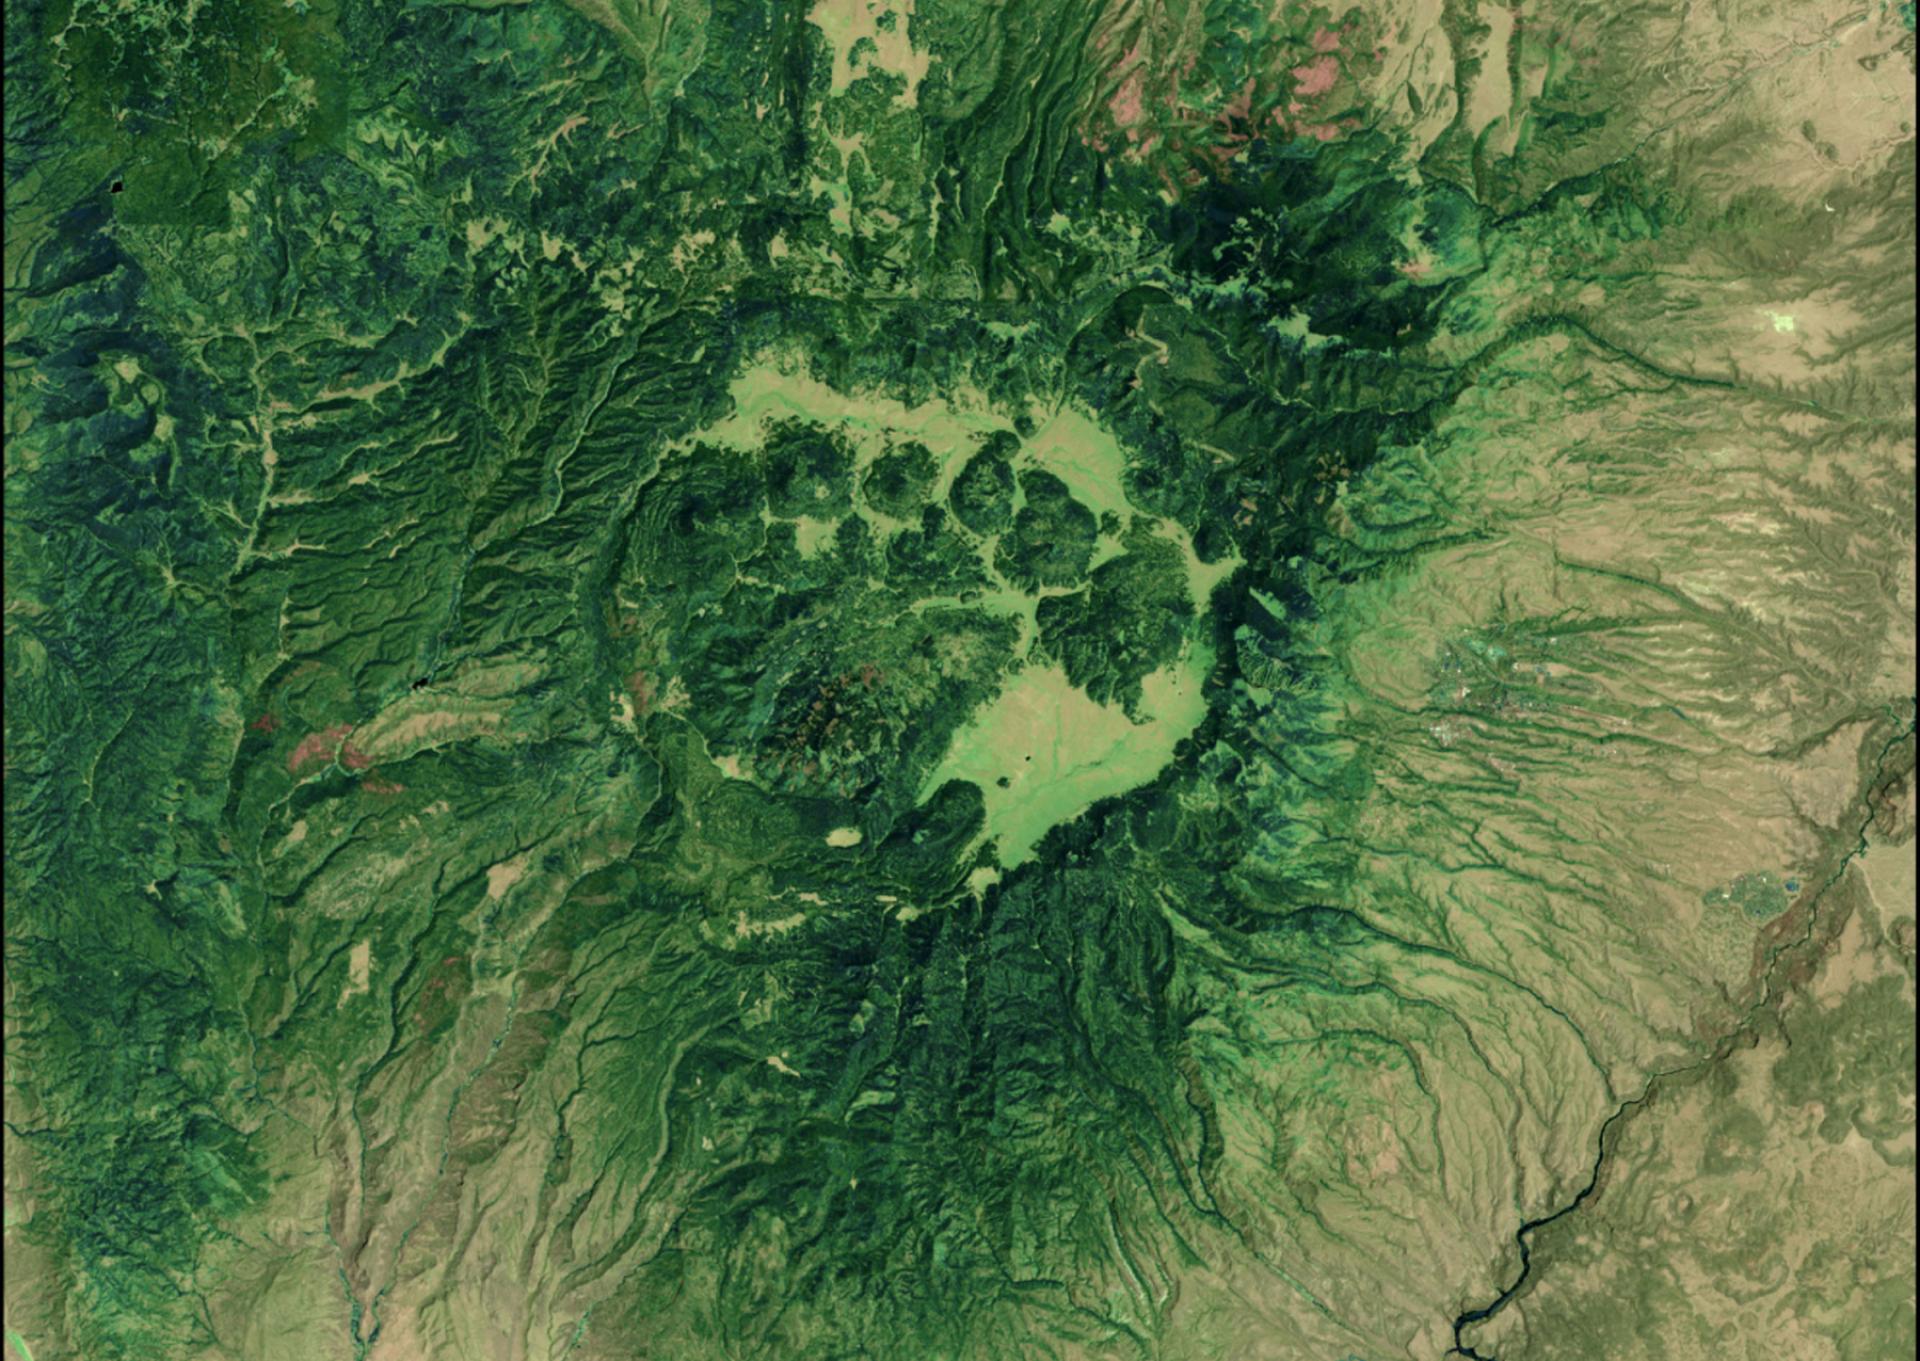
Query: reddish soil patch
point(318, 746)
point(1316, 77)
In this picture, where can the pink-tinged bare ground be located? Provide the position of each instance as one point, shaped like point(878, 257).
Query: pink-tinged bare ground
point(318, 746)
point(1126, 104)
point(1316, 77)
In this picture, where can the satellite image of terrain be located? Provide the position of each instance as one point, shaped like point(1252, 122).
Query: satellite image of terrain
point(959, 680)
